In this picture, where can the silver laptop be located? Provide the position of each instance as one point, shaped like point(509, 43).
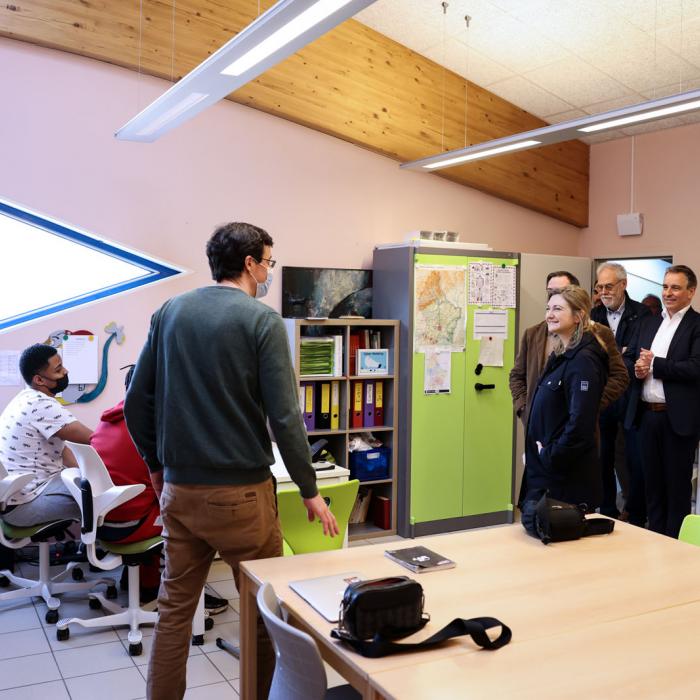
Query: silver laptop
point(325, 592)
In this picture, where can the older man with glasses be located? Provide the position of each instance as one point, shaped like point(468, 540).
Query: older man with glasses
point(622, 315)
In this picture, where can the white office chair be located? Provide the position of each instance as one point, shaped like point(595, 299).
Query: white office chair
point(96, 494)
point(46, 586)
point(299, 670)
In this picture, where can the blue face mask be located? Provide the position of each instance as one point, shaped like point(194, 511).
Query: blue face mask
point(262, 288)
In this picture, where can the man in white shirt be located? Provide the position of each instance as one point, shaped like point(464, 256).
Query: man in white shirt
point(33, 428)
point(665, 400)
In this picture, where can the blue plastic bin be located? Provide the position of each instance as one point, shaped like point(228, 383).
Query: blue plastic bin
point(370, 465)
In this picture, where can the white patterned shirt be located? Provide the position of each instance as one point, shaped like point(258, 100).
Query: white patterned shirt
point(28, 442)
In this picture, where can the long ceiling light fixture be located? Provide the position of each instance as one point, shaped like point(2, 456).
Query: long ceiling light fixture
point(564, 131)
point(284, 29)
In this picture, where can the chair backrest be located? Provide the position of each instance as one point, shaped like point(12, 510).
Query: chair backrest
point(690, 530)
point(303, 536)
point(10, 484)
point(299, 670)
point(95, 493)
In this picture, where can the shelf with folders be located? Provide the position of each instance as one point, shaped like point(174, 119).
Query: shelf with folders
point(339, 401)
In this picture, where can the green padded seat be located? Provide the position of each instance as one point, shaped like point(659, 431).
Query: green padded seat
point(131, 547)
point(690, 530)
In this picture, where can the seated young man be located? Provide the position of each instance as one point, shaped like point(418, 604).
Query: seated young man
point(33, 428)
point(139, 518)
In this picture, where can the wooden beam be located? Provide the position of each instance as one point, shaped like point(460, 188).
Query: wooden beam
point(352, 83)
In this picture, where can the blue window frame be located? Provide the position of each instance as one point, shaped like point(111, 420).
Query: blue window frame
point(47, 267)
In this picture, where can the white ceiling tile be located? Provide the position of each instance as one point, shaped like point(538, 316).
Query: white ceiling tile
point(651, 15)
point(684, 40)
point(577, 82)
point(566, 116)
point(617, 103)
point(519, 91)
point(476, 68)
point(672, 89)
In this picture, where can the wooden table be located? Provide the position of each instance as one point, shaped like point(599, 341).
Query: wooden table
point(558, 597)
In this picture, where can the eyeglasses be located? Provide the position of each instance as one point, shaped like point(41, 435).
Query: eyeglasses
point(606, 287)
point(270, 261)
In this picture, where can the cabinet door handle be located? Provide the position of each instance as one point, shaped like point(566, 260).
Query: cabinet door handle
point(480, 387)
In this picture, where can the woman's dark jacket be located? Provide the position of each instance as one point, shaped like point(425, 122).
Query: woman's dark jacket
point(563, 418)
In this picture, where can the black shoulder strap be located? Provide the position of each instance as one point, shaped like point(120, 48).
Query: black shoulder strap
point(475, 628)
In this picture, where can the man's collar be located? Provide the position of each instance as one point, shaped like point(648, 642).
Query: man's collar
point(665, 315)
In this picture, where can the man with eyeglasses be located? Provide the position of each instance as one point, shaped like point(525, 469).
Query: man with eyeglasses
point(665, 400)
point(622, 315)
point(216, 367)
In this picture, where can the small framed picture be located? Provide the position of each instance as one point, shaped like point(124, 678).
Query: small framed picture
point(372, 362)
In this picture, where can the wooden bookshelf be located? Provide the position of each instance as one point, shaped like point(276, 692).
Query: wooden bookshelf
point(338, 438)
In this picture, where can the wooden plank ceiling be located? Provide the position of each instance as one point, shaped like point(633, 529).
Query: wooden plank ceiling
point(352, 83)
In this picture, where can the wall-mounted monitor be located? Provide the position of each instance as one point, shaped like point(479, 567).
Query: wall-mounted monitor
point(326, 292)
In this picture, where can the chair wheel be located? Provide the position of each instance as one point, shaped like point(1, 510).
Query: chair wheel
point(62, 635)
point(95, 604)
point(197, 640)
point(111, 593)
point(51, 616)
point(4, 582)
point(208, 623)
point(135, 649)
point(77, 574)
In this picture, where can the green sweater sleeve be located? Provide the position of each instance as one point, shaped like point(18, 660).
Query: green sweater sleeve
point(280, 400)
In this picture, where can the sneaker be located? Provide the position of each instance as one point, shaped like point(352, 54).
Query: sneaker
point(214, 605)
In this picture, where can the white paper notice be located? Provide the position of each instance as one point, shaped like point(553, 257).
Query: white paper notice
point(9, 368)
point(503, 286)
point(80, 358)
point(491, 324)
point(491, 351)
point(438, 365)
point(480, 282)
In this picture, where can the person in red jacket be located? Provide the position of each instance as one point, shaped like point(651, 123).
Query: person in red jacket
point(139, 518)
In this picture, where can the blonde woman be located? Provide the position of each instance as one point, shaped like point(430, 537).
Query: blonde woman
point(561, 454)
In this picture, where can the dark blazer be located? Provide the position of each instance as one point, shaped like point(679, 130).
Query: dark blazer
point(627, 328)
point(563, 417)
point(679, 371)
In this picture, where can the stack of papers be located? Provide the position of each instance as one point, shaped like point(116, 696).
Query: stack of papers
point(419, 559)
point(316, 356)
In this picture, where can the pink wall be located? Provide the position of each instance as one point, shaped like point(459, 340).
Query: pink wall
point(667, 192)
point(324, 201)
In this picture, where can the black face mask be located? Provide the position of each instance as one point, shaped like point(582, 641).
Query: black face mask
point(61, 385)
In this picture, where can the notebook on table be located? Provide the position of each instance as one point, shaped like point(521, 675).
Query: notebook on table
point(419, 559)
point(325, 592)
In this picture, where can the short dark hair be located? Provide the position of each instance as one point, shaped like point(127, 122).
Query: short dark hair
point(563, 273)
point(684, 270)
point(33, 359)
point(231, 244)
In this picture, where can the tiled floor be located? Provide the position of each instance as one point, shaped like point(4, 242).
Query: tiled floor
point(91, 664)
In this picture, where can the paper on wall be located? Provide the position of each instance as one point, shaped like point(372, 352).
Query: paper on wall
point(492, 323)
point(503, 286)
point(480, 282)
point(437, 376)
point(80, 357)
point(9, 368)
point(491, 351)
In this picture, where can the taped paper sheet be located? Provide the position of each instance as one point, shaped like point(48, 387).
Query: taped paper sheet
point(438, 366)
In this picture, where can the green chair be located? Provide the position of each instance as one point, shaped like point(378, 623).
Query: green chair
point(690, 530)
point(301, 536)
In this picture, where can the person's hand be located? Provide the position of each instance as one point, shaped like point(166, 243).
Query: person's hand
point(539, 446)
point(642, 366)
point(157, 482)
point(316, 508)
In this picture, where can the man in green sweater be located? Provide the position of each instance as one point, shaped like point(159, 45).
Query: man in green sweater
point(215, 368)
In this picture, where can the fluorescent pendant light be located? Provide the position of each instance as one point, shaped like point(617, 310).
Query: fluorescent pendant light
point(564, 131)
point(300, 24)
point(281, 31)
point(484, 154)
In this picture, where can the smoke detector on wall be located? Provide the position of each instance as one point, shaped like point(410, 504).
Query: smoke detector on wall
point(630, 224)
